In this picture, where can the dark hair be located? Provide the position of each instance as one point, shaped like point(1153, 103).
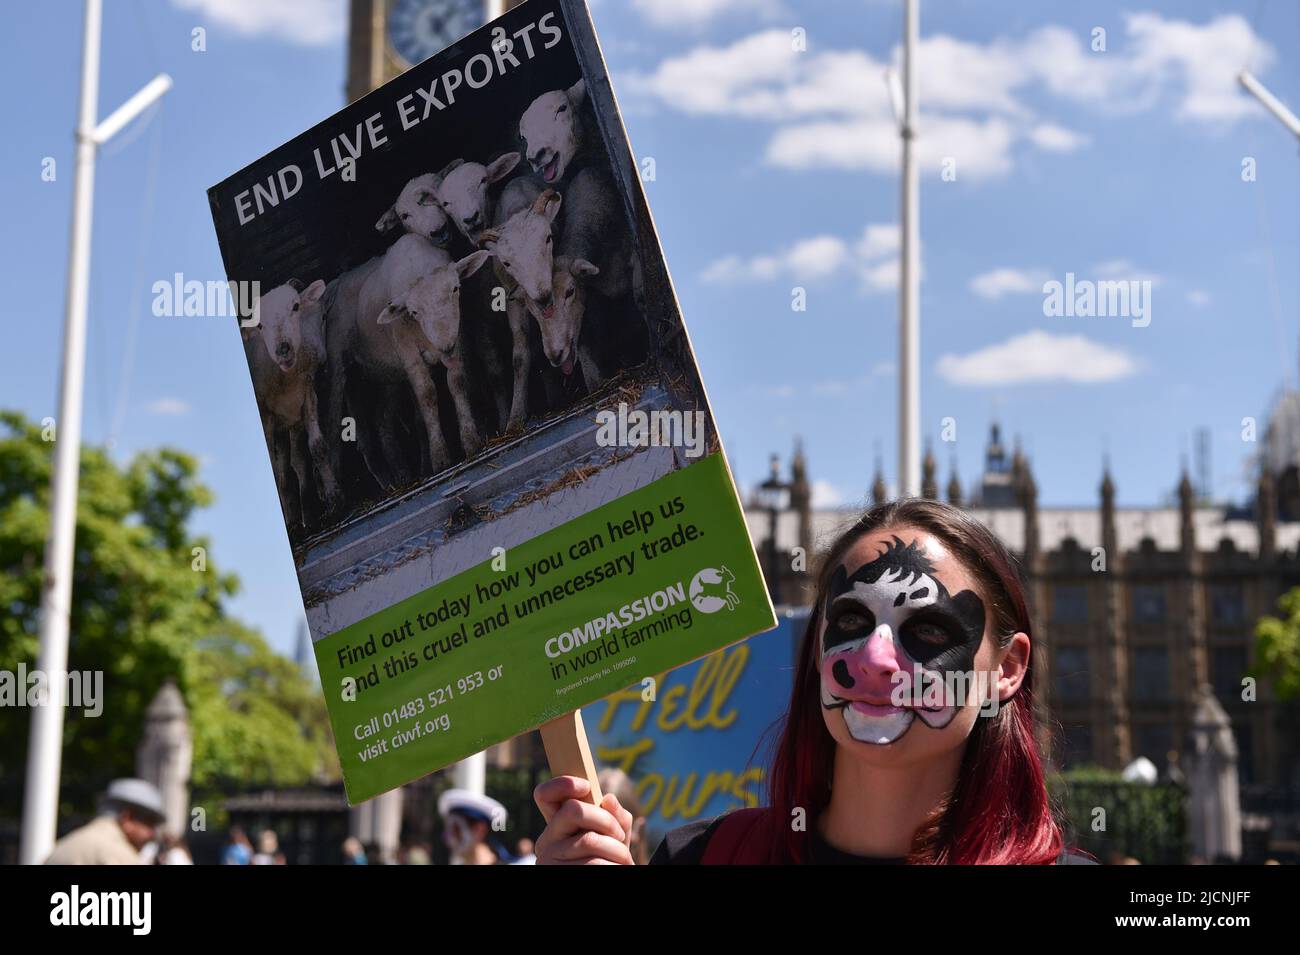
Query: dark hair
point(999, 811)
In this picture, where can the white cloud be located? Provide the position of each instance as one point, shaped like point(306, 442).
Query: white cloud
point(697, 13)
point(304, 22)
point(839, 387)
point(830, 108)
point(1201, 60)
point(882, 276)
point(173, 407)
point(961, 76)
point(826, 494)
point(1198, 298)
point(879, 239)
point(1122, 270)
point(1000, 282)
point(762, 76)
point(808, 259)
point(1038, 356)
point(873, 257)
point(979, 148)
point(1057, 139)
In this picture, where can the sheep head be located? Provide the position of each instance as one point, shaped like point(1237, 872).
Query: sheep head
point(551, 131)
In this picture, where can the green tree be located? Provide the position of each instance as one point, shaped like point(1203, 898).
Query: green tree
point(1277, 647)
point(147, 604)
point(244, 694)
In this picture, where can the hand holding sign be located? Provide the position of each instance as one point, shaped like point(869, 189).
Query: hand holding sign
point(579, 832)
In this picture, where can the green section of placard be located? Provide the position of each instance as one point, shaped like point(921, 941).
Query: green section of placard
point(655, 579)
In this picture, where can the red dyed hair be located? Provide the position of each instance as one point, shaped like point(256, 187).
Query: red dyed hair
point(999, 811)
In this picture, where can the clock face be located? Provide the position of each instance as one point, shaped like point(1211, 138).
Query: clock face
point(417, 29)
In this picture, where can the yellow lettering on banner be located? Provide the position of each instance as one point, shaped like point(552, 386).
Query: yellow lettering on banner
point(699, 706)
point(677, 794)
point(667, 706)
point(703, 705)
point(715, 680)
point(630, 695)
point(753, 774)
point(625, 757)
point(677, 800)
point(675, 797)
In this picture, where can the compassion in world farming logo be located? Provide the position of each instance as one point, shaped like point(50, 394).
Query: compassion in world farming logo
point(710, 590)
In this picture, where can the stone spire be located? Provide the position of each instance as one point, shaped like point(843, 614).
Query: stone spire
point(801, 496)
point(1017, 459)
point(1116, 744)
point(954, 486)
point(879, 491)
point(1029, 503)
point(800, 489)
point(1266, 513)
point(1109, 535)
point(929, 482)
point(1186, 513)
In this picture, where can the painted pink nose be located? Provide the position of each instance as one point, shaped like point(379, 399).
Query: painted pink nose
point(880, 655)
point(866, 671)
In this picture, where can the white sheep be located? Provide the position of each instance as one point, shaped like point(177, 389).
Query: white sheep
point(463, 194)
point(562, 330)
point(366, 377)
point(592, 255)
point(521, 242)
point(417, 210)
point(417, 280)
point(285, 351)
point(552, 131)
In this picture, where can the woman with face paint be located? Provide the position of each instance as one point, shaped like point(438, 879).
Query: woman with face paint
point(910, 736)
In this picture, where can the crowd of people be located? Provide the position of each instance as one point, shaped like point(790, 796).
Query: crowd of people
point(130, 830)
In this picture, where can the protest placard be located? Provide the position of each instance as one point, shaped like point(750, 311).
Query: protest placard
point(498, 468)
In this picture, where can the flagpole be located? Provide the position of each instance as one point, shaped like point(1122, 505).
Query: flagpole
point(909, 291)
point(45, 742)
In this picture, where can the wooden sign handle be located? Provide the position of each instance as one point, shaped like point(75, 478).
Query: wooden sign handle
point(569, 753)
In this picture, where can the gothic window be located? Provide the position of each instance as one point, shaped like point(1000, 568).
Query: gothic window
point(1227, 604)
point(1150, 674)
point(1070, 674)
point(1148, 603)
point(1229, 666)
point(1070, 603)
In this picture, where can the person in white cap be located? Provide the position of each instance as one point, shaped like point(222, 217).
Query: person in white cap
point(130, 814)
point(472, 821)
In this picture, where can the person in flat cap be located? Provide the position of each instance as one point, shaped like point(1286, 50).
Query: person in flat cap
point(130, 813)
point(471, 825)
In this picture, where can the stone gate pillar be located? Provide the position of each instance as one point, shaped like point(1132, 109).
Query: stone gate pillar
point(1214, 809)
point(165, 755)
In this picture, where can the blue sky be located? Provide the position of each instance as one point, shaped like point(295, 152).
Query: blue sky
point(774, 168)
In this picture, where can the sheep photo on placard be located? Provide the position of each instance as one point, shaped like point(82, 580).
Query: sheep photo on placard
point(468, 336)
point(504, 293)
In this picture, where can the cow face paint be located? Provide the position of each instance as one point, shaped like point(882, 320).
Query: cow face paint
point(893, 616)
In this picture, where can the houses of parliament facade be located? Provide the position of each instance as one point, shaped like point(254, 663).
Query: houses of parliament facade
point(1122, 652)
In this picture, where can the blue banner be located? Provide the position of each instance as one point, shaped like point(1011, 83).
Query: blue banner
point(697, 743)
